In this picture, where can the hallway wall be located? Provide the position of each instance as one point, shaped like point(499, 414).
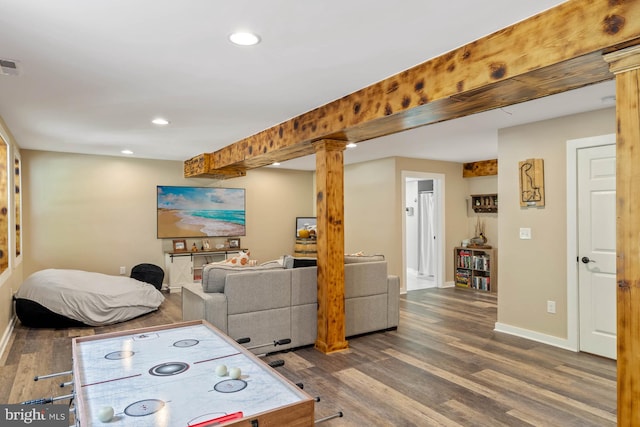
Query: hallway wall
point(531, 272)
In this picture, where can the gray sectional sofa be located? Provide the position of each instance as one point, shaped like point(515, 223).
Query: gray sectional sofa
point(272, 302)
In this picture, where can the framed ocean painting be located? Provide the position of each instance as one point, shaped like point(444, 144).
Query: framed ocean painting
point(185, 212)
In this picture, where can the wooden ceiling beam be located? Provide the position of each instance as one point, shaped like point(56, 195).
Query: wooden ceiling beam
point(557, 50)
point(481, 168)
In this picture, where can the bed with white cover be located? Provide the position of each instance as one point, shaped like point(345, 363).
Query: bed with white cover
point(55, 298)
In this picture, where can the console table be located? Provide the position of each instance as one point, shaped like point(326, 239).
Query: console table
point(186, 267)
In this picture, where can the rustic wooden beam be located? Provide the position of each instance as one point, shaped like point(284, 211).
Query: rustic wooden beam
point(626, 65)
point(198, 165)
point(557, 50)
point(201, 166)
point(330, 245)
point(481, 168)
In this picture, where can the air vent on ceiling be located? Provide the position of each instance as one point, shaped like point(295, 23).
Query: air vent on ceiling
point(9, 67)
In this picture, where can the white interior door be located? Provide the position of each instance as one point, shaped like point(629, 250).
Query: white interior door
point(597, 249)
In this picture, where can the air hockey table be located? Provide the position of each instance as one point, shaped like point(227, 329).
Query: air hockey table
point(166, 376)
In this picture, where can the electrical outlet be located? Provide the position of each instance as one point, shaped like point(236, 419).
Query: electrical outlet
point(123, 270)
point(551, 307)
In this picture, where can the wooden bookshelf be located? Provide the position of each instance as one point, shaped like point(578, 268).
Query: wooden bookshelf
point(476, 268)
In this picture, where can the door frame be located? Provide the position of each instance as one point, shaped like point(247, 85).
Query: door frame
point(573, 314)
point(438, 186)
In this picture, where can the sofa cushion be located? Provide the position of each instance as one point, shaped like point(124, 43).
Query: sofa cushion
point(214, 275)
point(351, 259)
point(365, 314)
point(364, 279)
point(304, 286)
point(304, 324)
point(256, 291)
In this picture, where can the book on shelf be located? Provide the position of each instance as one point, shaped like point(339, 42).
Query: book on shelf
point(481, 262)
point(464, 258)
point(481, 282)
point(462, 277)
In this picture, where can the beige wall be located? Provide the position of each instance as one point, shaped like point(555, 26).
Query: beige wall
point(11, 279)
point(113, 204)
point(98, 213)
point(373, 208)
point(369, 197)
point(483, 185)
point(534, 271)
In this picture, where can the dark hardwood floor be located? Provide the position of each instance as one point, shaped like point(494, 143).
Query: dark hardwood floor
point(443, 366)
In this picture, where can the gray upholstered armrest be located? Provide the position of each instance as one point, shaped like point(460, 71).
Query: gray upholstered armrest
point(210, 306)
point(393, 316)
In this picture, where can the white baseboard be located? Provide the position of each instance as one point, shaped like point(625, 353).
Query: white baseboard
point(534, 336)
point(6, 337)
point(450, 284)
point(174, 289)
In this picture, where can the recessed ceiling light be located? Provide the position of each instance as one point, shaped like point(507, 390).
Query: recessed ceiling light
point(126, 152)
point(275, 164)
point(160, 121)
point(244, 38)
point(352, 145)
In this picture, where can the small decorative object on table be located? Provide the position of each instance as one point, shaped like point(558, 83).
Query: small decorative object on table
point(179, 245)
point(205, 245)
point(234, 243)
point(480, 240)
point(194, 248)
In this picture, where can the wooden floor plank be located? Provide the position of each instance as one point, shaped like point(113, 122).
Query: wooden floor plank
point(443, 365)
point(410, 408)
point(472, 416)
point(549, 397)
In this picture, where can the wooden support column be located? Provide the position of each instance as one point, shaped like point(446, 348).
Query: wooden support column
point(626, 66)
point(330, 245)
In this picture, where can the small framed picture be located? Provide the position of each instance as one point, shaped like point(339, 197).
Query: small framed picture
point(234, 243)
point(205, 245)
point(179, 245)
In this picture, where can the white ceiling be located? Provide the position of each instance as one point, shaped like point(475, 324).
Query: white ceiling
point(92, 74)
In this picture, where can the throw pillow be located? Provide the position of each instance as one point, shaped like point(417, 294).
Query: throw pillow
point(241, 259)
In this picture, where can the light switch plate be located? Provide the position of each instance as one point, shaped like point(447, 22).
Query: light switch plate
point(525, 233)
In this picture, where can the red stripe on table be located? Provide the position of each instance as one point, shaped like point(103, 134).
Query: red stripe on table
point(222, 419)
point(216, 358)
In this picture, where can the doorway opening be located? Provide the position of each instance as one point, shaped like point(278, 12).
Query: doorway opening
point(423, 225)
